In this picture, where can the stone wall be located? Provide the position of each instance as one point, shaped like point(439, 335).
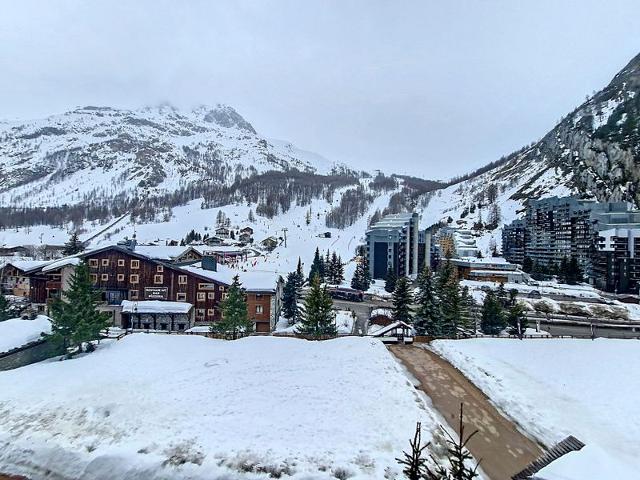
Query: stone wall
point(27, 354)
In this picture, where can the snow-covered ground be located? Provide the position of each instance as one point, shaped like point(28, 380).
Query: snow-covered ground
point(16, 332)
point(170, 407)
point(555, 388)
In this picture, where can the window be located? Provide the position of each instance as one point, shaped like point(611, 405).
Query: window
point(121, 277)
point(93, 262)
point(225, 296)
point(201, 296)
point(135, 264)
point(259, 309)
point(133, 294)
point(181, 297)
point(211, 295)
point(158, 279)
point(182, 279)
point(121, 262)
point(105, 262)
point(181, 326)
point(134, 278)
point(104, 277)
point(94, 278)
point(221, 288)
point(163, 326)
point(200, 312)
point(211, 312)
point(160, 268)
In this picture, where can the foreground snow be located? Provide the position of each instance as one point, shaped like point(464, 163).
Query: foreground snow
point(16, 332)
point(171, 407)
point(555, 388)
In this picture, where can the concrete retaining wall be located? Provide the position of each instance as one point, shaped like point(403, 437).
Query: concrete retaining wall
point(27, 354)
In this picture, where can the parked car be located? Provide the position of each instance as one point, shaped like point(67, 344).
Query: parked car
point(534, 294)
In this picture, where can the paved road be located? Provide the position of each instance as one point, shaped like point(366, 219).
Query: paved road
point(558, 329)
point(362, 311)
point(504, 450)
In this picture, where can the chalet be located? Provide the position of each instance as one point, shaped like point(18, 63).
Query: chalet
point(247, 230)
point(270, 243)
point(245, 237)
point(17, 277)
point(396, 332)
point(223, 232)
point(182, 293)
point(263, 291)
point(495, 269)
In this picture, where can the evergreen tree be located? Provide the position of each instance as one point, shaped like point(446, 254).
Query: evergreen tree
point(516, 319)
point(290, 296)
point(427, 319)
point(448, 296)
point(299, 274)
point(574, 272)
point(4, 308)
point(527, 265)
point(415, 462)
point(75, 318)
point(317, 267)
point(318, 318)
point(361, 279)
point(402, 301)
point(563, 271)
point(307, 217)
point(492, 321)
point(235, 317)
point(251, 217)
point(339, 271)
point(390, 280)
point(458, 455)
point(73, 245)
point(466, 309)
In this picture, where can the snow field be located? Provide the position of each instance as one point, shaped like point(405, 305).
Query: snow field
point(560, 387)
point(172, 407)
point(16, 332)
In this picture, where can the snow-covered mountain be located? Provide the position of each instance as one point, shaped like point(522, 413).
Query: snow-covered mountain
point(593, 152)
point(102, 152)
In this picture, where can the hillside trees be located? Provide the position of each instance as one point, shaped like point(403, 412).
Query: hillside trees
point(73, 245)
point(427, 317)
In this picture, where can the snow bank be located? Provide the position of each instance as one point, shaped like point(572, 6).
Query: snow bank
point(16, 332)
point(171, 407)
point(560, 387)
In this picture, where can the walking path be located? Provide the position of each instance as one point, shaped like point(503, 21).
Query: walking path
point(503, 449)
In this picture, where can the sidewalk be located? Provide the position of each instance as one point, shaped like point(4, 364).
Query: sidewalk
point(504, 451)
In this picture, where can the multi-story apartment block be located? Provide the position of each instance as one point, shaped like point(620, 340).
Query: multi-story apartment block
point(393, 243)
point(617, 262)
point(513, 241)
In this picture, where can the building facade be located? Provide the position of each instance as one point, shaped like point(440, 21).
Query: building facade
point(617, 263)
point(392, 243)
point(513, 241)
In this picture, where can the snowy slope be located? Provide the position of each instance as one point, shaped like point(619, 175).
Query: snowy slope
point(102, 152)
point(555, 388)
point(593, 152)
point(160, 407)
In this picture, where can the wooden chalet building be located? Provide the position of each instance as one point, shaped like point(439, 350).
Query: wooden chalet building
point(188, 286)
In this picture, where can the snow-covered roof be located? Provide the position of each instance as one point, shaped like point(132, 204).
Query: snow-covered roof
point(155, 306)
point(381, 311)
point(390, 327)
point(28, 265)
point(252, 280)
point(63, 262)
point(163, 252)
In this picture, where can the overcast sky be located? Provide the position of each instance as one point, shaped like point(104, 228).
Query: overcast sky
point(430, 88)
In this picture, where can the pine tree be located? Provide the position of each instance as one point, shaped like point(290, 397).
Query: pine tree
point(427, 319)
point(448, 296)
point(361, 279)
point(402, 301)
point(318, 318)
point(251, 217)
point(466, 309)
point(317, 267)
point(338, 269)
point(492, 321)
point(299, 274)
point(527, 265)
point(290, 296)
point(307, 217)
point(235, 317)
point(390, 280)
point(516, 319)
point(458, 455)
point(4, 308)
point(75, 318)
point(73, 245)
point(415, 462)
